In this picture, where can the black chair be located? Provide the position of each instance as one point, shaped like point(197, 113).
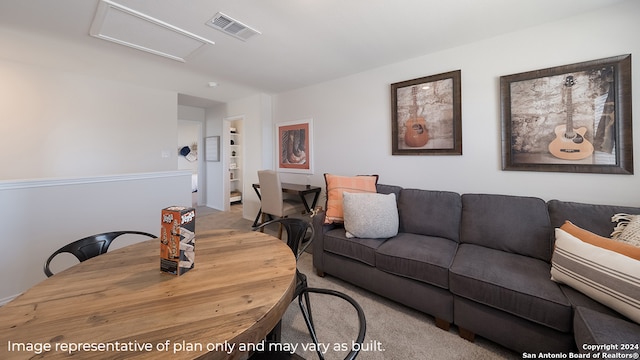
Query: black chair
point(90, 246)
point(299, 233)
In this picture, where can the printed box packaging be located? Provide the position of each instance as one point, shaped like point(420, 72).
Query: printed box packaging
point(177, 239)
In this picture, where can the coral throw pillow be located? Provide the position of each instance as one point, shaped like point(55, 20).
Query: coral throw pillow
point(337, 185)
point(601, 241)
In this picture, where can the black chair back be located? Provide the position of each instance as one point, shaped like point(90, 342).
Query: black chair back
point(296, 230)
point(297, 240)
point(89, 247)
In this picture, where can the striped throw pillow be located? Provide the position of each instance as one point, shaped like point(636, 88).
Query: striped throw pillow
point(606, 276)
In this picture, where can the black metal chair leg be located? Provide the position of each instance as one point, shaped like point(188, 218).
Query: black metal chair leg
point(296, 234)
point(275, 335)
point(306, 299)
point(306, 314)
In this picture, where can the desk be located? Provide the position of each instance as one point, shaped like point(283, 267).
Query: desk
point(241, 285)
point(297, 189)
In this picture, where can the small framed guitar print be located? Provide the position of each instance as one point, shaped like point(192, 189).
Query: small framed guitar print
point(425, 116)
point(572, 118)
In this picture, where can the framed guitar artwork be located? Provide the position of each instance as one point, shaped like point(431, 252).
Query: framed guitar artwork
point(426, 116)
point(571, 118)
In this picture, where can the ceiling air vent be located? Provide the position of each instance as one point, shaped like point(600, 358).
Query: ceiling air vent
point(232, 27)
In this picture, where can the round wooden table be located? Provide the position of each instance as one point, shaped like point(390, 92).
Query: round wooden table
point(119, 305)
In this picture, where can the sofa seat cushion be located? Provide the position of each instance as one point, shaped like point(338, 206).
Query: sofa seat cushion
point(418, 257)
point(513, 283)
point(595, 328)
point(578, 299)
point(360, 249)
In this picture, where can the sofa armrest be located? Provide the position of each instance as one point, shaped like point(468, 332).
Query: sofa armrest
point(319, 229)
point(593, 328)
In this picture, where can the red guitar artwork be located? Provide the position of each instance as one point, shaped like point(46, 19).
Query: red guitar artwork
point(416, 134)
point(570, 143)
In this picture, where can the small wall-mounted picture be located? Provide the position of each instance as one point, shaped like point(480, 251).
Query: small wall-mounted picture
point(212, 148)
point(295, 149)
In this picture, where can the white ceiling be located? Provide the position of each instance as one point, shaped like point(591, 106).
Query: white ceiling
point(303, 42)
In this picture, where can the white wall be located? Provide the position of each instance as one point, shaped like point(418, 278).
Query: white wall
point(40, 216)
point(94, 152)
point(191, 121)
point(352, 115)
point(255, 112)
point(214, 171)
point(61, 124)
point(188, 135)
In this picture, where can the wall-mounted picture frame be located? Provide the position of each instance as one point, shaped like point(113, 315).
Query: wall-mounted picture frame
point(426, 116)
point(212, 148)
point(295, 146)
point(571, 118)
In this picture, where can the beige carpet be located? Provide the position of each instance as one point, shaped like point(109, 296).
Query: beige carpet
point(393, 330)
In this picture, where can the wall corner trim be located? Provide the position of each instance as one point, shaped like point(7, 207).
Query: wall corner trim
point(48, 182)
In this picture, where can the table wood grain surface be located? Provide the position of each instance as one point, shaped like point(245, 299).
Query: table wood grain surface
point(241, 285)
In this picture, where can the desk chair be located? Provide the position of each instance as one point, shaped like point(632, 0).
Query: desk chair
point(89, 247)
point(299, 234)
point(273, 203)
point(298, 241)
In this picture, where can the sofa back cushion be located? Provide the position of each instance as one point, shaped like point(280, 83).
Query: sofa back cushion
point(432, 213)
point(594, 218)
point(514, 224)
point(389, 189)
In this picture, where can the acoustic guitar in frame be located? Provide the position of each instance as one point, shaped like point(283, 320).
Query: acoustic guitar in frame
point(570, 143)
point(416, 134)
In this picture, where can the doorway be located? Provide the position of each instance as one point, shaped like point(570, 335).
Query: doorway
point(234, 158)
point(190, 156)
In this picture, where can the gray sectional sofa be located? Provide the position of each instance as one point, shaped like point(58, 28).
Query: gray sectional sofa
point(481, 262)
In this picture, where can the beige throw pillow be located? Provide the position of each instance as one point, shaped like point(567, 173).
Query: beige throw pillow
point(372, 216)
point(628, 229)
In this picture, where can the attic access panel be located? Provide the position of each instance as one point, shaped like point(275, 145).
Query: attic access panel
point(121, 25)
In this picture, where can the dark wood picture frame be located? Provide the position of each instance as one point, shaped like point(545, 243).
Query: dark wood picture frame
point(571, 118)
point(295, 146)
point(426, 117)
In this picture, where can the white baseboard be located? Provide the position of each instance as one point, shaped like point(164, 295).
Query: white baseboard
point(7, 299)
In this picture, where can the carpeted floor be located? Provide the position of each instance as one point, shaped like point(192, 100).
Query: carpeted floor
point(393, 330)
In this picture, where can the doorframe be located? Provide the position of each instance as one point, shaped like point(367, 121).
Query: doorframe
point(200, 165)
point(226, 151)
